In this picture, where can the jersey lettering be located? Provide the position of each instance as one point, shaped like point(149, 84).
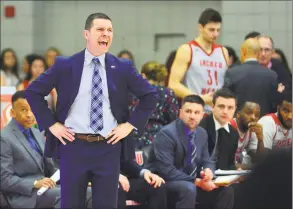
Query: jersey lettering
point(283, 143)
point(212, 77)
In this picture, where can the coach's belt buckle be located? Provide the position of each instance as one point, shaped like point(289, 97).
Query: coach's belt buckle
point(91, 138)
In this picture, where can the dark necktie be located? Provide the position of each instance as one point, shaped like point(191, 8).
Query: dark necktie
point(219, 148)
point(96, 114)
point(32, 141)
point(192, 168)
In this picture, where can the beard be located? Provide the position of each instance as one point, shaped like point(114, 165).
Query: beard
point(242, 126)
point(282, 121)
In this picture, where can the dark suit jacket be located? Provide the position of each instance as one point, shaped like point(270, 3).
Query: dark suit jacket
point(170, 149)
point(130, 169)
point(252, 82)
point(65, 76)
point(284, 76)
point(21, 166)
point(229, 145)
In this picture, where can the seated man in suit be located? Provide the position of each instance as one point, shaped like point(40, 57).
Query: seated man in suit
point(24, 170)
point(250, 143)
point(222, 137)
point(140, 185)
point(182, 159)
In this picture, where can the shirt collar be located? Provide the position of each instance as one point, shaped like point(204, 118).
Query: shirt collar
point(250, 59)
point(270, 64)
point(20, 127)
point(188, 131)
point(218, 125)
point(88, 57)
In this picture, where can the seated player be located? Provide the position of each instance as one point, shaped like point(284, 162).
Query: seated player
point(250, 141)
point(277, 127)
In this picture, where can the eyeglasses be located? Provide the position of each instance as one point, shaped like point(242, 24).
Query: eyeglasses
point(266, 50)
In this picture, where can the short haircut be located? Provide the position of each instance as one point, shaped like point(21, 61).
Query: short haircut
point(92, 17)
point(252, 34)
point(193, 99)
point(209, 15)
point(241, 107)
point(268, 37)
point(17, 95)
point(225, 93)
point(286, 96)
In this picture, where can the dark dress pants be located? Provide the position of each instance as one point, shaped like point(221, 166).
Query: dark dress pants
point(184, 194)
point(143, 193)
point(96, 162)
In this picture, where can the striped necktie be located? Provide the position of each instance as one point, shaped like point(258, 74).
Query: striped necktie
point(96, 114)
point(192, 153)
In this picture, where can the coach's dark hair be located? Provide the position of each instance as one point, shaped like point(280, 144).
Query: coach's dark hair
point(92, 17)
point(17, 95)
point(225, 93)
point(252, 34)
point(209, 15)
point(193, 99)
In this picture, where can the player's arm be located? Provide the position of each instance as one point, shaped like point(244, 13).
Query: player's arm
point(226, 55)
point(178, 71)
point(2, 81)
point(257, 140)
point(255, 147)
point(268, 132)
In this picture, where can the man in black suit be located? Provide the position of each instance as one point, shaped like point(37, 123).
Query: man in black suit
point(140, 185)
point(222, 137)
point(250, 81)
point(182, 159)
point(266, 59)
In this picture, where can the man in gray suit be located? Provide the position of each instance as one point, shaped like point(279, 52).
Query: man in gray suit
point(182, 159)
point(24, 170)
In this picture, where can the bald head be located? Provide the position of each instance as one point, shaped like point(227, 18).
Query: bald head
point(250, 48)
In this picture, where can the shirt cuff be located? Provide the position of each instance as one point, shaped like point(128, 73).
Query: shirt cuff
point(133, 126)
point(141, 173)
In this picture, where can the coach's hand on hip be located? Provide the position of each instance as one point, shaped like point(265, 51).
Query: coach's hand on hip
point(60, 131)
point(120, 132)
